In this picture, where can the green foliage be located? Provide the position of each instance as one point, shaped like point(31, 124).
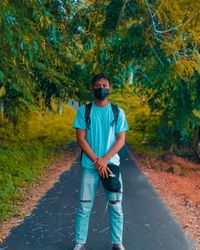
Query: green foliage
point(35, 58)
point(52, 48)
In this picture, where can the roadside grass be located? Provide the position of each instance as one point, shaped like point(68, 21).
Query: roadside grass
point(23, 158)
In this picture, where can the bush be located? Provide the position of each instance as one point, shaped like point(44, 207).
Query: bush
point(144, 125)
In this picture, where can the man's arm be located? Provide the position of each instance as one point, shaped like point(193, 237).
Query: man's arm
point(83, 144)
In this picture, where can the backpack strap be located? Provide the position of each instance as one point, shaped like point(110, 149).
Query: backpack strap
point(115, 110)
point(87, 114)
point(87, 118)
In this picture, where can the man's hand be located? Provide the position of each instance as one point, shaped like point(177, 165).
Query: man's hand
point(103, 161)
point(101, 166)
point(104, 171)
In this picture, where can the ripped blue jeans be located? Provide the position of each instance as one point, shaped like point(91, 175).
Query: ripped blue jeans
point(90, 180)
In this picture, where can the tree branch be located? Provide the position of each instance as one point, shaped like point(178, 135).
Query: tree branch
point(153, 21)
point(160, 61)
point(158, 9)
point(121, 13)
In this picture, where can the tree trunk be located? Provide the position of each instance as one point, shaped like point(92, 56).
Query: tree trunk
point(1, 109)
point(59, 108)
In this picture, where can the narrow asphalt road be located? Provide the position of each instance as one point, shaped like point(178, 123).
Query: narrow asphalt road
point(148, 223)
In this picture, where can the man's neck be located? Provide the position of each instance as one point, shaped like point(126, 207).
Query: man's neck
point(101, 103)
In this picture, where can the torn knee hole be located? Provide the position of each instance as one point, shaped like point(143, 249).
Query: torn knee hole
point(85, 200)
point(114, 202)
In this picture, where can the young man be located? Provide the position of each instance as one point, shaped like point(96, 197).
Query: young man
point(100, 145)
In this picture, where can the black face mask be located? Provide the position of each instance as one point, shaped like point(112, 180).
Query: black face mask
point(101, 93)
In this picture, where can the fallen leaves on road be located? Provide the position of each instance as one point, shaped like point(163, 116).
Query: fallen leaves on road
point(177, 181)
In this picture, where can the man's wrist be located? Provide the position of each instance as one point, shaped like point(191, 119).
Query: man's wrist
point(95, 160)
point(107, 157)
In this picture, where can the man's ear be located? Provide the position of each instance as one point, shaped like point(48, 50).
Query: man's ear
point(110, 89)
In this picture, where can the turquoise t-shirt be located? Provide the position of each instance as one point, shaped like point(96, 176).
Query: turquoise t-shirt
point(101, 135)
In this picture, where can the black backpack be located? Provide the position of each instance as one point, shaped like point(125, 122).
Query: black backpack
point(88, 107)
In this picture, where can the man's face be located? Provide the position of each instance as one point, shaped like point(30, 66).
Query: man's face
point(101, 83)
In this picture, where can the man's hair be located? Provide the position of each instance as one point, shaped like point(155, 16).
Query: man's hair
point(100, 76)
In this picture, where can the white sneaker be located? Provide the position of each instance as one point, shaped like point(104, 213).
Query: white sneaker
point(118, 247)
point(79, 246)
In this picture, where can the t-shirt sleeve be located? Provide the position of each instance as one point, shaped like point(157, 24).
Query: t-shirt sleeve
point(79, 121)
point(121, 124)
